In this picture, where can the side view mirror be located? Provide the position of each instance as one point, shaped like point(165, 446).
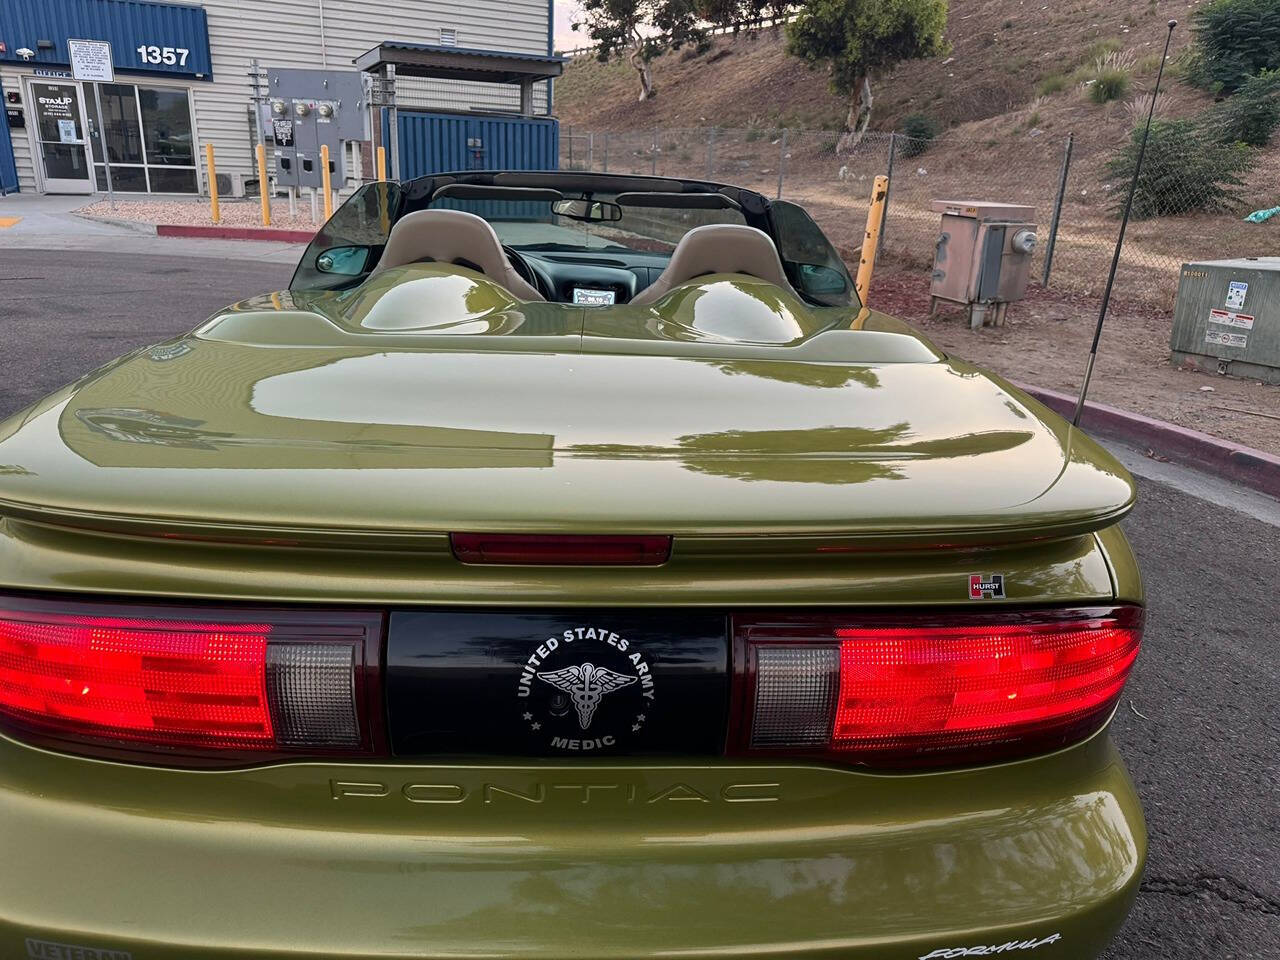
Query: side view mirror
point(588, 211)
point(819, 280)
point(343, 261)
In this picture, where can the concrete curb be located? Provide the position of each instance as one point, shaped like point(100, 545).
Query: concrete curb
point(1239, 464)
point(137, 226)
point(234, 233)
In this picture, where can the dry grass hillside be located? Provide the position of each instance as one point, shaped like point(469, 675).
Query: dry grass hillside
point(1003, 54)
point(1006, 96)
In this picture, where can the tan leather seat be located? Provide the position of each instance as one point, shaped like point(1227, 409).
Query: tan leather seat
point(453, 236)
point(719, 248)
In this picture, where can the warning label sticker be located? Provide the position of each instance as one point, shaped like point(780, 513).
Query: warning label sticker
point(1225, 338)
point(1237, 290)
point(1241, 320)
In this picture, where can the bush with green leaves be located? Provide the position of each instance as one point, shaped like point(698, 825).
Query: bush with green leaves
point(1251, 115)
point(919, 130)
point(1235, 40)
point(1184, 171)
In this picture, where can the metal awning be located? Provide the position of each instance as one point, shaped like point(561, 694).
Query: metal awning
point(459, 63)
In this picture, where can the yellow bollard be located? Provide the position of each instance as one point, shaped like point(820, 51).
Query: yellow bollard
point(213, 183)
point(325, 178)
point(875, 215)
point(382, 163)
point(263, 186)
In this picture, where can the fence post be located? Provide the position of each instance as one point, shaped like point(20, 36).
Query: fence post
point(893, 152)
point(568, 135)
point(711, 153)
point(653, 154)
point(327, 180)
point(606, 152)
point(782, 160)
point(1057, 209)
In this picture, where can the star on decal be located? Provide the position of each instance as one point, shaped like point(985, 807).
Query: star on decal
point(635, 727)
point(535, 726)
point(528, 716)
point(640, 718)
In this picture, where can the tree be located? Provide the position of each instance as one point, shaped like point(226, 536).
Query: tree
point(857, 40)
point(1235, 40)
point(1183, 171)
point(639, 30)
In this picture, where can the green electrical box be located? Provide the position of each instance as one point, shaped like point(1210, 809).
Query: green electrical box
point(1227, 318)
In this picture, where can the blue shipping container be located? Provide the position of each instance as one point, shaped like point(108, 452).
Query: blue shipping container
point(159, 38)
point(440, 142)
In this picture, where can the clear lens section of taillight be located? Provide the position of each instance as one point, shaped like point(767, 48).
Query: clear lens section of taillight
point(200, 682)
point(932, 690)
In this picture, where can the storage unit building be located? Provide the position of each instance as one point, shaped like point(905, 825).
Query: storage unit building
point(183, 78)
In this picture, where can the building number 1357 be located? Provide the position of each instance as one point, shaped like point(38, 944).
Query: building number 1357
point(169, 55)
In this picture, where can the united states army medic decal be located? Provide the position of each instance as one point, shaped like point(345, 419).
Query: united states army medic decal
point(585, 689)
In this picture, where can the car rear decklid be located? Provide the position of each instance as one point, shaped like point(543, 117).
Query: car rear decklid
point(227, 440)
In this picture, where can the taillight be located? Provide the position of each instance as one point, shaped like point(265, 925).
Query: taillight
point(929, 690)
point(587, 550)
point(191, 682)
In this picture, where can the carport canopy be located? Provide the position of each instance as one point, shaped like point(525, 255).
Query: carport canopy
point(395, 58)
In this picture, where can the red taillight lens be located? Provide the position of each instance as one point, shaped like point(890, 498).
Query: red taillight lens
point(941, 690)
point(568, 550)
point(189, 682)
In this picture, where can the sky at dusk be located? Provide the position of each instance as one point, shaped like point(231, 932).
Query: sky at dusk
point(566, 39)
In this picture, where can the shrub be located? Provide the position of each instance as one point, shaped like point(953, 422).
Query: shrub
point(1110, 83)
point(1235, 40)
point(919, 131)
point(1184, 171)
point(1054, 83)
point(1251, 115)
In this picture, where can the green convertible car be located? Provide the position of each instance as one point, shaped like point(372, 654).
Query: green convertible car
point(565, 566)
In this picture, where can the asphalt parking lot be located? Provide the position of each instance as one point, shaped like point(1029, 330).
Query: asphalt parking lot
point(1199, 726)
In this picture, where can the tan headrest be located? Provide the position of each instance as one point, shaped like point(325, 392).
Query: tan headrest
point(719, 248)
point(451, 236)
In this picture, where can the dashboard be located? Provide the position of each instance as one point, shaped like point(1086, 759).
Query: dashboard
point(588, 277)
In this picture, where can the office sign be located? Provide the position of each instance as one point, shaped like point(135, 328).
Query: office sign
point(91, 61)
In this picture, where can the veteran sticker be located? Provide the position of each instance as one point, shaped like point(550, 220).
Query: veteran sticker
point(585, 689)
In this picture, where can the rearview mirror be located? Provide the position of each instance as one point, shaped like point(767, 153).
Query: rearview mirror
point(343, 261)
point(588, 211)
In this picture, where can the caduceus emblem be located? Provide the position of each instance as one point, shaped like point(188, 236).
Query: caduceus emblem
point(586, 684)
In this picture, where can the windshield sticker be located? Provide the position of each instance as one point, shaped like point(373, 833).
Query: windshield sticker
point(987, 950)
point(986, 586)
point(585, 689)
point(593, 298)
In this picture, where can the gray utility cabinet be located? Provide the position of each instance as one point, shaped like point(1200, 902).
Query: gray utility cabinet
point(1227, 318)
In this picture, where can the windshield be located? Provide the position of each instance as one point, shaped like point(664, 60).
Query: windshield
point(531, 225)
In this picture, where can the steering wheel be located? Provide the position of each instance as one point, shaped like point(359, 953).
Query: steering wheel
point(521, 266)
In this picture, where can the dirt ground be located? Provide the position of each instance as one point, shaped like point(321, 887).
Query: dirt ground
point(1046, 342)
point(196, 211)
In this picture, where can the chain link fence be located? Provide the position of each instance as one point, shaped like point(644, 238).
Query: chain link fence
point(1076, 200)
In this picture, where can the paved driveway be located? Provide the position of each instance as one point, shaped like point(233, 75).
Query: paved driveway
point(1199, 724)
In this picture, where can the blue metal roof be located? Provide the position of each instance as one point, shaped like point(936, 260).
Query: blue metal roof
point(164, 31)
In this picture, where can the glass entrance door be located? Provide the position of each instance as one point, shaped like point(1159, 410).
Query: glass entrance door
point(61, 137)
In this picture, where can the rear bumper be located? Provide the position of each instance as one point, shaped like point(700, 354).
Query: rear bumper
point(549, 860)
